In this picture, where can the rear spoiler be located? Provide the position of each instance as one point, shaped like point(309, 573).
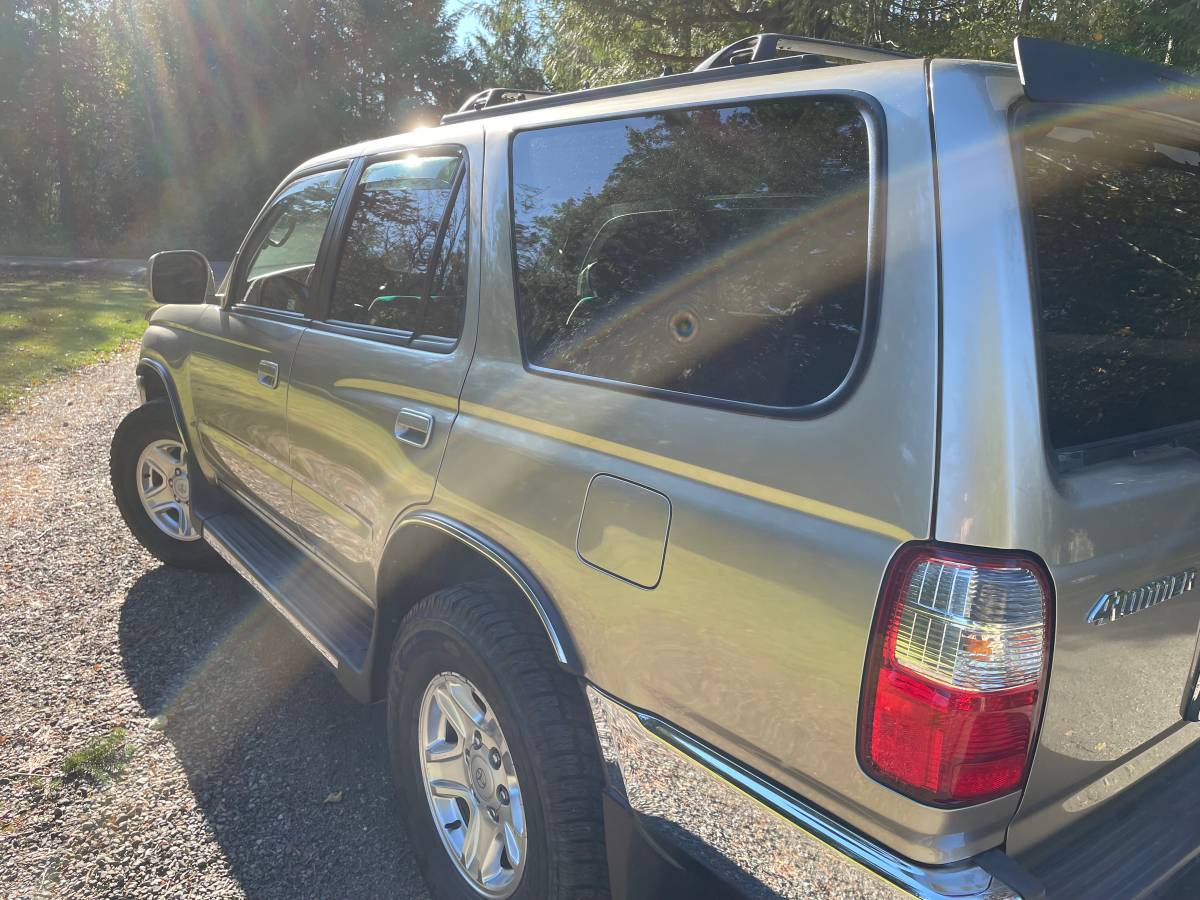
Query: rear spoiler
point(1052, 72)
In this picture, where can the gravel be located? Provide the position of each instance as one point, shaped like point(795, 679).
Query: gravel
point(250, 772)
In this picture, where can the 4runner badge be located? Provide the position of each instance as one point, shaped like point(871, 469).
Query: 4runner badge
point(1116, 604)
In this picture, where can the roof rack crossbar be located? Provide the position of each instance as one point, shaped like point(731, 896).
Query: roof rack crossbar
point(490, 97)
point(761, 47)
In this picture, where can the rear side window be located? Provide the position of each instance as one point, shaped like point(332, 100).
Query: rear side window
point(1114, 211)
point(717, 252)
point(402, 267)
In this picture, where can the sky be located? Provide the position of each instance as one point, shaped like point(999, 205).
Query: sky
point(469, 24)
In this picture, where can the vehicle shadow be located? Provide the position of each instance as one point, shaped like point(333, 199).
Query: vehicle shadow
point(291, 774)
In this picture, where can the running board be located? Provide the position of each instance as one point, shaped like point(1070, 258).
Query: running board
point(331, 617)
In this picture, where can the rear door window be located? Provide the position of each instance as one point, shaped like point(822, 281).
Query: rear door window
point(714, 252)
point(1114, 208)
point(448, 280)
point(402, 267)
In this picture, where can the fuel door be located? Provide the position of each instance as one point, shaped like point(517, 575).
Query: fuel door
point(623, 530)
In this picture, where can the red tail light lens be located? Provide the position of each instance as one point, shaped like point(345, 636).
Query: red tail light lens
point(956, 674)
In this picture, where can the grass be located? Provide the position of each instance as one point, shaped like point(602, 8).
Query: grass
point(101, 760)
point(50, 325)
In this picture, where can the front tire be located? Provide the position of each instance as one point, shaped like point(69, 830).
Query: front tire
point(494, 753)
point(148, 465)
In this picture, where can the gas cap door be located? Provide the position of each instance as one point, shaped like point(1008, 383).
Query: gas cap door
point(623, 530)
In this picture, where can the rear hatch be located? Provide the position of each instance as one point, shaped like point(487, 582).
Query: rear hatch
point(1112, 205)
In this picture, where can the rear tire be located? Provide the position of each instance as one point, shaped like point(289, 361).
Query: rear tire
point(484, 639)
point(148, 466)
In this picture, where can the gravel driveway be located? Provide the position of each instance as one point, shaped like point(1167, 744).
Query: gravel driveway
point(251, 773)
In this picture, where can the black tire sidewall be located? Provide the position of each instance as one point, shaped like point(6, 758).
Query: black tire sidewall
point(418, 658)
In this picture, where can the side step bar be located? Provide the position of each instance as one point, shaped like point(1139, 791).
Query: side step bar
point(335, 620)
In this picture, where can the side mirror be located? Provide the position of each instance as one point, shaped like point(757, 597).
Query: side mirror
point(180, 276)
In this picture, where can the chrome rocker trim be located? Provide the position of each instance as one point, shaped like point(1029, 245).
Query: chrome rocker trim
point(766, 842)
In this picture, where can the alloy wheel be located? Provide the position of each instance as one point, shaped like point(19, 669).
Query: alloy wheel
point(163, 488)
point(471, 785)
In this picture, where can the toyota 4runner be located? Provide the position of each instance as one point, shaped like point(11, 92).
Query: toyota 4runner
point(787, 470)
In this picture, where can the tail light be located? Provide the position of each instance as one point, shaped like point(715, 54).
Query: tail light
point(956, 673)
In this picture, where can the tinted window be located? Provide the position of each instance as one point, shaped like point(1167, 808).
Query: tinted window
point(1114, 215)
point(720, 252)
point(448, 290)
point(289, 238)
point(383, 277)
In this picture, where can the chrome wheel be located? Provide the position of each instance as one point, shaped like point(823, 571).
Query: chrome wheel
point(471, 785)
point(163, 488)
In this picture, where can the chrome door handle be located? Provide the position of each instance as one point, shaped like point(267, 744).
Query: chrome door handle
point(268, 373)
point(414, 427)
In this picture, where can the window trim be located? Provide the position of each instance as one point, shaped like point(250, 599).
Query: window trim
point(232, 302)
point(341, 220)
point(873, 116)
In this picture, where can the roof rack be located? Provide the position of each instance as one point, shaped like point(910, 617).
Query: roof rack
point(496, 96)
point(768, 53)
point(761, 47)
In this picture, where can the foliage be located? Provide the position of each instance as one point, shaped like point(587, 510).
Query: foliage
point(604, 41)
point(145, 124)
point(55, 323)
point(136, 125)
point(101, 760)
point(508, 52)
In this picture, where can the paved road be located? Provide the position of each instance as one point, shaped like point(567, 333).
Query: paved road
point(133, 269)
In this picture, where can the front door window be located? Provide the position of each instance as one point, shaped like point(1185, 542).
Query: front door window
point(284, 250)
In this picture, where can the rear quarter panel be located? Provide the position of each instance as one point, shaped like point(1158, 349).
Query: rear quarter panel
point(754, 638)
point(1112, 709)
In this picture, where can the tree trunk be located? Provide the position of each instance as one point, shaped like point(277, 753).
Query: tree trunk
point(60, 127)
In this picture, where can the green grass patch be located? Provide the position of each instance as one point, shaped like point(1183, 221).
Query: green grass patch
point(56, 323)
point(101, 760)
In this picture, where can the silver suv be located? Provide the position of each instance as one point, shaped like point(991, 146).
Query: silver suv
point(785, 470)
